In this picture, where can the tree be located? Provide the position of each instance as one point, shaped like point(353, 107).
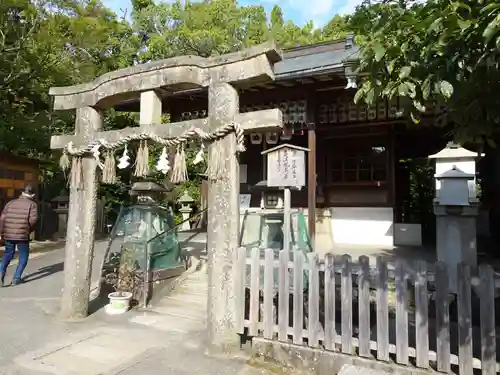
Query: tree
point(45, 44)
point(217, 27)
point(336, 28)
point(65, 42)
point(444, 50)
point(203, 29)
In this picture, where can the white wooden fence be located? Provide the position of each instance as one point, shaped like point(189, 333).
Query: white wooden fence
point(265, 285)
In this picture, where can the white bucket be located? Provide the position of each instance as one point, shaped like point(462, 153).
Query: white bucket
point(119, 302)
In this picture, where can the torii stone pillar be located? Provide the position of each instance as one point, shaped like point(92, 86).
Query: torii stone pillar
point(79, 246)
point(223, 224)
point(219, 74)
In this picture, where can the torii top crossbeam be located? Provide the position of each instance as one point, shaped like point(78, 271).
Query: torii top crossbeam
point(254, 64)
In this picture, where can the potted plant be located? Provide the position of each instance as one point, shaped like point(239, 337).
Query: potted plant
point(119, 300)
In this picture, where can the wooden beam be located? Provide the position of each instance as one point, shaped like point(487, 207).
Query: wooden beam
point(306, 80)
point(311, 184)
point(285, 83)
point(258, 121)
point(391, 155)
point(311, 166)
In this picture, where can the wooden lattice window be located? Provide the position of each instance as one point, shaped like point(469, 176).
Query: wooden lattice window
point(357, 163)
point(271, 200)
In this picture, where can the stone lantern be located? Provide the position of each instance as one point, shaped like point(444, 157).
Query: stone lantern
point(147, 192)
point(454, 188)
point(185, 201)
point(61, 208)
point(455, 155)
point(456, 213)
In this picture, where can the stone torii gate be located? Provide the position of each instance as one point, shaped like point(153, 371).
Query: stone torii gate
point(219, 74)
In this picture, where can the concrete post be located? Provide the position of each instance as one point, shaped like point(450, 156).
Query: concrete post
point(456, 215)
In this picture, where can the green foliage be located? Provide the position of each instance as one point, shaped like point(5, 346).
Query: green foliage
point(45, 44)
point(65, 42)
point(220, 26)
point(442, 50)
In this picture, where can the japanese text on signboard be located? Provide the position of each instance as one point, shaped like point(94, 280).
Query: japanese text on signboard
point(286, 168)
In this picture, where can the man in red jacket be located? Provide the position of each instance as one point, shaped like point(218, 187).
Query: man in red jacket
point(17, 221)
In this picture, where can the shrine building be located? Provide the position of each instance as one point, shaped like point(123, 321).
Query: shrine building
point(356, 181)
point(15, 173)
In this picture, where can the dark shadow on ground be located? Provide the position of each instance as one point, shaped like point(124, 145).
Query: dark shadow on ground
point(97, 304)
point(44, 272)
point(101, 300)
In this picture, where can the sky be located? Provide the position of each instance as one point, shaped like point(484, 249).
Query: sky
point(299, 11)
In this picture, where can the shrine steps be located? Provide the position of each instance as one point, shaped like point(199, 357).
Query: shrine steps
point(194, 248)
point(183, 309)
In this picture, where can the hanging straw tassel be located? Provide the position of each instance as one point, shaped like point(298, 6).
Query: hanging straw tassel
point(77, 173)
point(138, 161)
point(142, 161)
point(109, 170)
point(64, 162)
point(216, 162)
point(179, 172)
point(145, 159)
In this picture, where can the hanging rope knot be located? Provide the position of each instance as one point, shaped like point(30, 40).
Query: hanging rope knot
point(97, 155)
point(179, 168)
point(71, 150)
point(240, 137)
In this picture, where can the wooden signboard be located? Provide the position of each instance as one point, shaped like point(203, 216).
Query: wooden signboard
point(286, 166)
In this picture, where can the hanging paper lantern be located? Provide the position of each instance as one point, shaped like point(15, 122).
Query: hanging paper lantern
point(272, 138)
point(256, 138)
point(287, 133)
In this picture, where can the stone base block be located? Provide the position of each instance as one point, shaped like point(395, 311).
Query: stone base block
point(322, 362)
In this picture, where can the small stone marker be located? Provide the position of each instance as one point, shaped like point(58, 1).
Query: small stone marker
point(356, 370)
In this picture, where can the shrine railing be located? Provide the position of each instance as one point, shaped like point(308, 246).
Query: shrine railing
point(394, 312)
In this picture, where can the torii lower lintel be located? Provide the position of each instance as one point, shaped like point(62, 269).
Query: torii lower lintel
point(251, 121)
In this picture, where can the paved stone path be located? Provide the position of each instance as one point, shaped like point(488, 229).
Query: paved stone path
point(168, 339)
point(355, 370)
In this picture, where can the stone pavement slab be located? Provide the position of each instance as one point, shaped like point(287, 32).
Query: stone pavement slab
point(28, 312)
point(90, 352)
point(356, 370)
point(168, 339)
point(169, 323)
point(116, 346)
